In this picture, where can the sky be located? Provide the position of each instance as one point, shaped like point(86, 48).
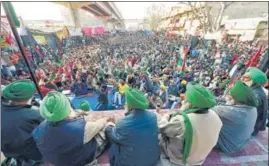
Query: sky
point(137, 10)
point(37, 10)
point(49, 10)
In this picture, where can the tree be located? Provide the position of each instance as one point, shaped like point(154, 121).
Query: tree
point(154, 15)
point(223, 7)
point(202, 12)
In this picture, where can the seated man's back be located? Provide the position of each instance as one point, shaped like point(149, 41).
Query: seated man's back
point(17, 123)
point(66, 138)
point(135, 137)
point(18, 120)
point(238, 125)
point(238, 118)
point(62, 143)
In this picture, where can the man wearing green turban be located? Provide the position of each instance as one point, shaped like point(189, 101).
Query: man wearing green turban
point(68, 132)
point(255, 79)
point(238, 116)
point(186, 134)
point(84, 105)
point(136, 135)
point(18, 120)
point(100, 74)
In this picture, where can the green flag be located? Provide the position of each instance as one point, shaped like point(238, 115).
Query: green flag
point(13, 13)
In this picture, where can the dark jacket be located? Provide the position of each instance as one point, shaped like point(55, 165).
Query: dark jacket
point(134, 140)
point(148, 85)
point(79, 89)
point(173, 90)
point(262, 109)
point(17, 124)
point(62, 143)
point(103, 98)
point(131, 81)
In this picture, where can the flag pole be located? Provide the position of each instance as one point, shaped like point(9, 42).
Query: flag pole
point(12, 21)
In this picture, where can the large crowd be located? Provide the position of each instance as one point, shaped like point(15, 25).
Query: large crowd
point(149, 63)
point(215, 92)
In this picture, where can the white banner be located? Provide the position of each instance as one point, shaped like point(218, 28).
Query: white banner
point(75, 32)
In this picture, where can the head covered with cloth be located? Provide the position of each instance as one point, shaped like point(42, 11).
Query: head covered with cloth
point(242, 94)
point(256, 79)
point(136, 99)
point(84, 105)
point(200, 97)
point(195, 117)
point(55, 107)
point(253, 76)
point(19, 91)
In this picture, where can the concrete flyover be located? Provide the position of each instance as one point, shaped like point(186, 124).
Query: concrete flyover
point(105, 11)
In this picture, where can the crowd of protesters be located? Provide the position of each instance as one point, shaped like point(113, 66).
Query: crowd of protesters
point(149, 63)
point(216, 94)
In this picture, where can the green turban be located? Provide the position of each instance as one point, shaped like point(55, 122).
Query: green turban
point(55, 107)
point(240, 64)
point(117, 78)
point(101, 73)
point(136, 99)
point(84, 105)
point(21, 90)
point(52, 76)
point(115, 73)
point(243, 94)
point(257, 76)
point(199, 96)
point(146, 73)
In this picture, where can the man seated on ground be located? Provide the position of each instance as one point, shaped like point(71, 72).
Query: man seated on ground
point(172, 92)
point(134, 138)
point(163, 95)
point(118, 95)
point(131, 80)
point(18, 120)
point(187, 137)
point(102, 99)
point(46, 86)
point(156, 100)
point(148, 84)
point(89, 82)
point(79, 88)
point(156, 85)
point(66, 137)
point(238, 117)
point(84, 105)
point(255, 79)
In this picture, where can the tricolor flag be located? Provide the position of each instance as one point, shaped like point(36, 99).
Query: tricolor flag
point(183, 58)
point(13, 13)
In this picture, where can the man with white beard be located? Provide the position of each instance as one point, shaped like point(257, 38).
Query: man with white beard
point(238, 116)
point(255, 79)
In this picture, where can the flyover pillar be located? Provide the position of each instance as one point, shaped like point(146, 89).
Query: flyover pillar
point(105, 20)
point(75, 16)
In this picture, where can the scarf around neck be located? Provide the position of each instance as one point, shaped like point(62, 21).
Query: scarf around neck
point(188, 133)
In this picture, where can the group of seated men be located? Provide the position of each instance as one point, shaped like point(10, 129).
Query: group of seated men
point(55, 133)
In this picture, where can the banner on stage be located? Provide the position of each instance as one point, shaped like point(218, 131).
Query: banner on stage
point(40, 39)
point(75, 32)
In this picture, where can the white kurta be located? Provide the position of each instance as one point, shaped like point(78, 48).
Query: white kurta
point(206, 128)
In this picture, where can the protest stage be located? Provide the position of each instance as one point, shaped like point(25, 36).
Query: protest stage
point(254, 154)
